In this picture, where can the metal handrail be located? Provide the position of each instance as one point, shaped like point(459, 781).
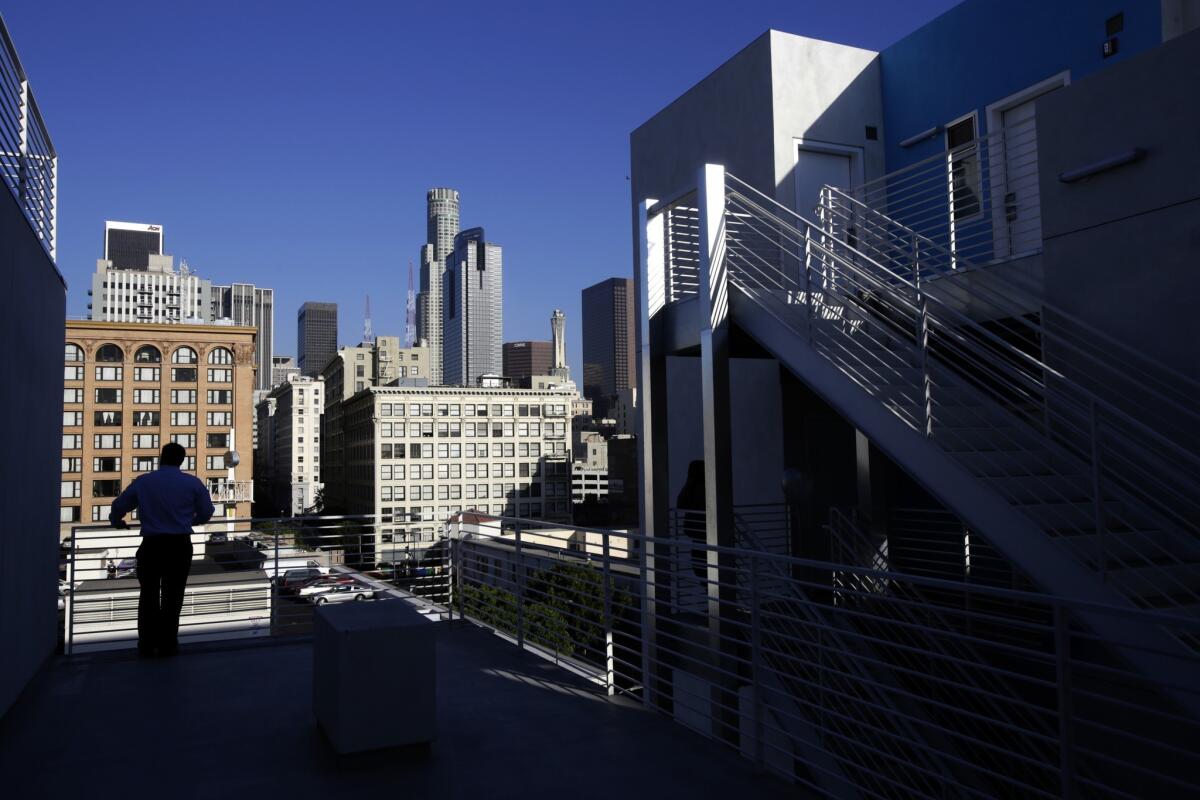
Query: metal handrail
point(836, 262)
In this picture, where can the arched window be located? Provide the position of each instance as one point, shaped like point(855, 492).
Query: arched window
point(110, 353)
point(147, 354)
point(183, 355)
point(73, 352)
point(220, 355)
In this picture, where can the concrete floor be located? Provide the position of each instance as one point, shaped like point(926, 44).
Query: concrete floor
point(234, 722)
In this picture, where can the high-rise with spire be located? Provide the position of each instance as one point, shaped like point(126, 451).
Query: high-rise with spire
point(442, 225)
point(410, 313)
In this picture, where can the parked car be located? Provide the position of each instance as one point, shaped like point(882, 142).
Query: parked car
point(293, 579)
point(127, 568)
point(323, 584)
point(276, 568)
point(342, 593)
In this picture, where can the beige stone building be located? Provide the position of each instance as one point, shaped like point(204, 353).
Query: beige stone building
point(129, 388)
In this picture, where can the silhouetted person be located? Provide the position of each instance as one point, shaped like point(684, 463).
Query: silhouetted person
point(169, 503)
point(691, 504)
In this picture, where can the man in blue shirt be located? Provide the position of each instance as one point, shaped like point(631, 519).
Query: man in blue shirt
point(169, 503)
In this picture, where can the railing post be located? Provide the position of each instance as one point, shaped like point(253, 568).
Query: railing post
point(1062, 654)
point(275, 584)
point(1097, 500)
point(520, 591)
point(609, 665)
point(72, 577)
point(756, 660)
point(922, 340)
point(808, 293)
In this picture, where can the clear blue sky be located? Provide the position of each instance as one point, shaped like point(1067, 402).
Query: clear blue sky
point(290, 144)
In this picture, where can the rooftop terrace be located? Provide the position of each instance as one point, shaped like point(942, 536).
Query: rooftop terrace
point(226, 721)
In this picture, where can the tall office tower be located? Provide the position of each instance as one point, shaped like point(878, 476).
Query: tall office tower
point(558, 337)
point(129, 245)
point(608, 362)
point(441, 227)
point(473, 306)
point(153, 293)
point(523, 360)
point(254, 307)
point(410, 313)
point(316, 337)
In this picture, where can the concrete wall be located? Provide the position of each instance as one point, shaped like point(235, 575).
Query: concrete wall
point(1122, 247)
point(31, 402)
point(757, 413)
point(825, 94)
point(981, 51)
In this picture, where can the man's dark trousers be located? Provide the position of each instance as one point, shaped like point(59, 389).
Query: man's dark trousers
point(163, 563)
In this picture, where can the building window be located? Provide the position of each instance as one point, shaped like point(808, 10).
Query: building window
point(69, 489)
point(965, 192)
point(145, 441)
point(72, 441)
point(72, 352)
point(220, 355)
point(220, 419)
point(106, 488)
point(108, 373)
point(183, 374)
point(185, 419)
point(146, 396)
point(72, 373)
point(108, 418)
point(74, 464)
point(220, 397)
point(110, 354)
point(147, 374)
point(106, 464)
point(68, 514)
point(183, 355)
point(147, 354)
point(72, 418)
point(108, 395)
point(217, 440)
point(72, 395)
point(145, 463)
point(185, 397)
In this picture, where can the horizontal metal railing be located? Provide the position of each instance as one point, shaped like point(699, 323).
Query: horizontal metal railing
point(28, 161)
point(840, 677)
point(1120, 497)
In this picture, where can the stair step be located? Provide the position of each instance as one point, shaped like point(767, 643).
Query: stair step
point(1132, 547)
point(1157, 585)
point(1009, 463)
point(1116, 516)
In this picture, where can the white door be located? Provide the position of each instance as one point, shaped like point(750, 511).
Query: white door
point(1015, 205)
point(814, 169)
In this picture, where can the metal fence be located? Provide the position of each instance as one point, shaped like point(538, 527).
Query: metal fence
point(28, 161)
point(841, 677)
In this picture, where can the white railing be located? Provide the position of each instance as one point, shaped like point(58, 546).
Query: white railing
point(1117, 494)
point(926, 688)
point(28, 161)
point(979, 200)
point(232, 491)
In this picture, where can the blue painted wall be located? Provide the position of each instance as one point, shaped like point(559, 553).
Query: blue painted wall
point(984, 50)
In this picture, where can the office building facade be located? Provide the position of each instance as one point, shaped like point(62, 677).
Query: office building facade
point(281, 368)
point(131, 388)
point(608, 340)
point(415, 456)
point(523, 360)
point(473, 310)
point(292, 460)
point(155, 293)
point(253, 307)
point(316, 336)
point(442, 225)
point(129, 245)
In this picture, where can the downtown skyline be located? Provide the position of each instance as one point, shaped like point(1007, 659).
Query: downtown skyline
point(548, 135)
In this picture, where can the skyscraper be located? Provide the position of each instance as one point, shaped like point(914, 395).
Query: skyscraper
point(523, 360)
point(316, 337)
point(473, 303)
point(558, 338)
point(442, 221)
point(252, 306)
point(608, 362)
point(129, 245)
